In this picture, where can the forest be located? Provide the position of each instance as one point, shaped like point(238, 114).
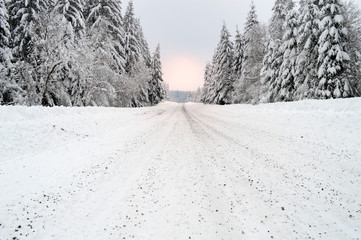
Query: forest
point(76, 53)
point(308, 51)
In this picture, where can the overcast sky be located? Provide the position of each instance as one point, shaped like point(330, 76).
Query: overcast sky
point(188, 32)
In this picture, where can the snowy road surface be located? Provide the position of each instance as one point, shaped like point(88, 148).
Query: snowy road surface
point(282, 171)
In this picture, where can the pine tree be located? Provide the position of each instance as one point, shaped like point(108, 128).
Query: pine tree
point(156, 92)
point(214, 78)
point(105, 26)
point(6, 86)
point(5, 37)
point(307, 42)
point(4, 32)
point(207, 83)
point(143, 45)
point(274, 55)
point(286, 81)
point(238, 54)
point(25, 28)
point(247, 86)
point(24, 15)
point(333, 59)
point(352, 15)
point(280, 11)
point(140, 74)
point(223, 68)
point(249, 28)
point(73, 11)
point(131, 43)
point(210, 83)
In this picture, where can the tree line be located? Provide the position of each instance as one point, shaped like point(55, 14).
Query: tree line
point(312, 51)
point(76, 53)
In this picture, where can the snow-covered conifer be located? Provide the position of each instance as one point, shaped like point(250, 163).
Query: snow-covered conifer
point(223, 68)
point(104, 21)
point(307, 42)
point(131, 42)
point(24, 16)
point(274, 54)
point(238, 53)
point(143, 44)
point(352, 15)
point(6, 85)
point(73, 10)
point(210, 77)
point(4, 30)
point(156, 92)
point(24, 19)
point(333, 59)
point(207, 83)
point(247, 85)
point(286, 80)
point(249, 28)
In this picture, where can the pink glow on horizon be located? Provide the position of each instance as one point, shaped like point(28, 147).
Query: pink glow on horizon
point(184, 73)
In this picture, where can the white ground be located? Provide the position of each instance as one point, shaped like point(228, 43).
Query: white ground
point(283, 171)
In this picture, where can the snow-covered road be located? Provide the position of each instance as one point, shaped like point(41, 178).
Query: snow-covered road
point(182, 171)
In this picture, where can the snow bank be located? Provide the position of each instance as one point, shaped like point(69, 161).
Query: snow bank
point(24, 130)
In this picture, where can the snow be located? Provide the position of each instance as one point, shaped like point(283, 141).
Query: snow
point(182, 171)
point(339, 18)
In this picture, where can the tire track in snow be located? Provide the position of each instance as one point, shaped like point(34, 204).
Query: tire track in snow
point(284, 185)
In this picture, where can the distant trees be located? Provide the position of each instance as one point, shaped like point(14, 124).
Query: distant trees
point(309, 52)
point(74, 53)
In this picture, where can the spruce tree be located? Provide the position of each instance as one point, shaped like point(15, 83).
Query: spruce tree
point(352, 14)
point(156, 91)
point(105, 25)
point(333, 59)
point(307, 42)
point(143, 45)
point(238, 53)
point(223, 68)
point(6, 86)
point(207, 83)
point(247, 86)
point(25, 29)
point(4, 31)
point(24, 17)
point(274, 55)
point(249, 28)
point(131, 42)
point(210, 77)
point(141, 70)
point(73, 10)
point(286, 81)
point(5, 37)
